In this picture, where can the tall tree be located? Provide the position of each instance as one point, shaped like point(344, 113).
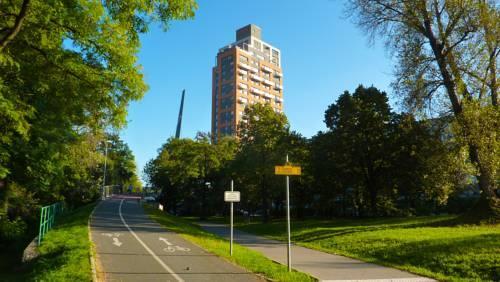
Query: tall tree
point(361, 122)
point(261, 133)
point(183, 167)
point(68, 70)
point(447, 49)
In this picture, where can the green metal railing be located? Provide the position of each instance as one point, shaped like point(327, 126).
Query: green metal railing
point(48, 216)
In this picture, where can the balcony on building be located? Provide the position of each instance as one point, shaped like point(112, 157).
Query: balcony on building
point(256, 77)
point(244, 66)
point(267, 69)
point(267, 82)
point(256, 91)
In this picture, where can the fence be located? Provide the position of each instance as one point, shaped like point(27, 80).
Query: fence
point(47, 218)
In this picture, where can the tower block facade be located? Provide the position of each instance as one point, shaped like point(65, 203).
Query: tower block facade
point(247, 71)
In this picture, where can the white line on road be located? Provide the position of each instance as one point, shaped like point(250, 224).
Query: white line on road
point(168, 269)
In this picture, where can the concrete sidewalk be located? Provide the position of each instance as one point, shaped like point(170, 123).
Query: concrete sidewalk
point(323, 266)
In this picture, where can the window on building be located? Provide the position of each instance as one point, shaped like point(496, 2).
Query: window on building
point(227, 88)
point(227, 103)
point(243, 59)
point(227, 68)
point(256, 44)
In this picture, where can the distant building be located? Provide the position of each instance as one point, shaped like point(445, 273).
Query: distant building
point(247, 71)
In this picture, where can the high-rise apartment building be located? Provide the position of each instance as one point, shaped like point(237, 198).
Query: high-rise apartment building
point(248, 71)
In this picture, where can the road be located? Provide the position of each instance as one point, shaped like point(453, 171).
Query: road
point(131, 247)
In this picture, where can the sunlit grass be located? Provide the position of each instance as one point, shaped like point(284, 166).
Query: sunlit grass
point(65, 251)
point(424, 245)
point(244, 257)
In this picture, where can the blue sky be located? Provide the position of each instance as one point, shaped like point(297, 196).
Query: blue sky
point(323, 54)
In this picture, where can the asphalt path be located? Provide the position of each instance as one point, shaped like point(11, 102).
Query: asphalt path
point(321, 265)
point(131, 247)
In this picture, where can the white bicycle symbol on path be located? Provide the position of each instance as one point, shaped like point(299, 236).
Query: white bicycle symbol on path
point(171, 248)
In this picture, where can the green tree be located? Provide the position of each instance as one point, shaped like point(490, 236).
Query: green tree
point(121, 167)
point(361, 122)
point(376, 162)
point(448, 51)
point(261, 133)
point(426, 168)
point(183, 167)
point(298, 149)
point(68, 71)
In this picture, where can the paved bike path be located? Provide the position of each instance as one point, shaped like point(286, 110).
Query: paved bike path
point(131, 247)
point(321, 265)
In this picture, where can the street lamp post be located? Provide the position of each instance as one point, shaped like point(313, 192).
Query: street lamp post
point(105, 162)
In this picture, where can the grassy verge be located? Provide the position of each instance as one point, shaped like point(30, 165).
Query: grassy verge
point(246, 258)
point(424, 245)
point(64, 252)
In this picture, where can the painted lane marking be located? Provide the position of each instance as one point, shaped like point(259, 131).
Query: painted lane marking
point(168, 269)
point(111, 234)
point(165, 241)
point(117, 242)
point(171, 247)
point(182, 249)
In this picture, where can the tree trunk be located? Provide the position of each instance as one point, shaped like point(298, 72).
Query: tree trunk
point(488, 206)
point(265, 201)
point(203, 214)
point(4, 197)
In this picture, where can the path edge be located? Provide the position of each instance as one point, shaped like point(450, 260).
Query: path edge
point(92, 247)
point(273, 260)
point(259, 275)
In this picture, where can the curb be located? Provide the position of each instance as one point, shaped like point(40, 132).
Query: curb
point(92, 259)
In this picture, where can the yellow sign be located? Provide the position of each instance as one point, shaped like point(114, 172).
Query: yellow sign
point(287, 170)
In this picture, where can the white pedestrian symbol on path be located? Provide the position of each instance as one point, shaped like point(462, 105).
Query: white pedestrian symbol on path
point(171, 247)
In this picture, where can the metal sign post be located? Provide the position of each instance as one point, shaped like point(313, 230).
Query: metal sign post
point(231, 196)
point(288, 170)
point(289, 244)
point(231, 240)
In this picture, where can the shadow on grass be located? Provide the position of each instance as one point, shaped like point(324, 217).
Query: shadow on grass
point(470, 258)
point(316, 230)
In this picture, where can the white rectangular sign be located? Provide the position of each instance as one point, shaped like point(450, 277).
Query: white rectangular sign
point(232, 196)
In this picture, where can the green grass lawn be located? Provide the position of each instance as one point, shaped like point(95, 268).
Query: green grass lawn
point(248, 259)
point(64, 252)
point(429, 246)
